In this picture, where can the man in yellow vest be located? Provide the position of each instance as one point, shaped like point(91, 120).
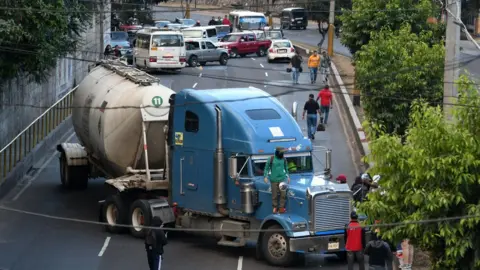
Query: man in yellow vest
point(313, 63)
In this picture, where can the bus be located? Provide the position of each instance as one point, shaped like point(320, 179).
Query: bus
point(157, 48)
point(247, 20)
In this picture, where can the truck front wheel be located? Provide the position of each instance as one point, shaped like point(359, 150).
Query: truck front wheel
point(276, 247)
point(73, 177)
point(140, 215)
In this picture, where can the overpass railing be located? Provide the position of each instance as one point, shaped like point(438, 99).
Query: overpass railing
point(35, 133)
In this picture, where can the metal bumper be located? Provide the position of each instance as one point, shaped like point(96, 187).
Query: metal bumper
point(318, 244)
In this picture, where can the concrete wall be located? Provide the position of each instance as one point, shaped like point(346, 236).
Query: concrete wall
point(14, 119)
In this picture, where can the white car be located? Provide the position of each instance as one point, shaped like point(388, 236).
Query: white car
point(280, 49)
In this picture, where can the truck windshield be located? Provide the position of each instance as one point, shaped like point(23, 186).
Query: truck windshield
point(298, 13)
point(296, 164)
point(167, 41)
point(229, 38)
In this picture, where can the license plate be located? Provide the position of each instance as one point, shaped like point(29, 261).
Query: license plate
point(334, 245)
point(282, 51)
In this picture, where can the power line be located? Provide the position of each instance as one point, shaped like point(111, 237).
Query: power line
point(380, 225)
point(242, 80)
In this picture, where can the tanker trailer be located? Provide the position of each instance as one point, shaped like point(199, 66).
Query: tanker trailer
point(117, 112)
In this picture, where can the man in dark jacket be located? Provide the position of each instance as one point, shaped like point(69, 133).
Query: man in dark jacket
point(155, 239)
point(355, 242)
point(379, 254)
point(296, 64)
point(212, 21)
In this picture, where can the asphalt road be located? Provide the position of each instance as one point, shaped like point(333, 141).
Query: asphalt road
point(32, 242)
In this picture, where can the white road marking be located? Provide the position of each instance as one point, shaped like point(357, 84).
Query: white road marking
point(253, 59)
point(261, 65)
point(266, 74)
point(200, 75)
point(240, 263)
point(44, 165)
point(194, 85)
point(105, 245)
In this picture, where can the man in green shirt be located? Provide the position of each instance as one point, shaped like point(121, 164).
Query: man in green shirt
point(278, 169)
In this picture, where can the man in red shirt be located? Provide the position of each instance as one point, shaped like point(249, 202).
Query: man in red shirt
point(326, 102)
point(355, 242)
point(226, 21)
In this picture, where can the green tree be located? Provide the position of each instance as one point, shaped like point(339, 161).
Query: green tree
point(37, 32)
point(368, 16)
point(395, 68)
point(138, 9)
point(433, 174)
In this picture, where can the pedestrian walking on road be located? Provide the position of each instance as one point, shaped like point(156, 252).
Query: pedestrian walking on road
point(355, 242)
point(313, 64)
point(155, 240)
point(277, 167)
point(323, 29)
point(296, 64)
point(325, 66)
point(311, 108)
point(326, 102)
point(379, 254)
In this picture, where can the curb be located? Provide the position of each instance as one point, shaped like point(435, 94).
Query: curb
point(360, 135)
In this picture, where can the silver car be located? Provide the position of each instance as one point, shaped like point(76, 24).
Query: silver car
point(203, 51)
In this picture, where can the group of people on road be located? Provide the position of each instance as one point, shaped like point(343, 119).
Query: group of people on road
point(314, 62)
point(109, 52)
point(312, 109)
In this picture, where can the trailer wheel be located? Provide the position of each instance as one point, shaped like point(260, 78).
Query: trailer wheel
point(114, 212)
point(276, 247)
point(73, 177)
point(140, 215)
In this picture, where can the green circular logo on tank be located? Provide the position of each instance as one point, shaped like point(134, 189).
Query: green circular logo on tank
point(157, 101)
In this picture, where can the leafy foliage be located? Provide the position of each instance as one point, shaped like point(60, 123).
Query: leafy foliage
point(36, 32)
point(133, 9)
point(434, 174)
point(319, 10)
point(368, 16)
point(395, 68)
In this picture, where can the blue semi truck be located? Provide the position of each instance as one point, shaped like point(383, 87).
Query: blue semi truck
point(198, 163)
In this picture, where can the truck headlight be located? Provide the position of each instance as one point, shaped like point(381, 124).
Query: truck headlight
point(300, 226)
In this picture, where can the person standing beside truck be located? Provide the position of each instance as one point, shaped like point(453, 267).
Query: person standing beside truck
point(379, 254)
point(278, 169)
point(354, 242)
point(313, 63)
point(155, 240)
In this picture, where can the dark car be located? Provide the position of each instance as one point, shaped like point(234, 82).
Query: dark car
point(294, 18)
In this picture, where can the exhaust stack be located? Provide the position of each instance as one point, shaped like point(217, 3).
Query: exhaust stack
point(219, 197)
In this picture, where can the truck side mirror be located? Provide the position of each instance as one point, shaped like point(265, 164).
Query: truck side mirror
point(232, 167)
point(294, 109)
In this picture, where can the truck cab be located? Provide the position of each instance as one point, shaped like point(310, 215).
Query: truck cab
point(220, 146)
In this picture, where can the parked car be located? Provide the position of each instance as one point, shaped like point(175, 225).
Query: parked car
point(203, 51)
point(243, 43)
point(132, 24)
point(175, 26)
point(281, 49)
point(188, 22)
point(121, 39)
point(162, 24)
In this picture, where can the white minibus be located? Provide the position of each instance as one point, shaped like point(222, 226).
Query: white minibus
point(160, 49)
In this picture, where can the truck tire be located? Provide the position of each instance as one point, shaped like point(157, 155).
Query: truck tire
point(140, 214)
point(114, 211)
point(72, 177)
point(193, 61)
point(234, 53)
point(276, 247)
point(223, 59)
point(261, 52)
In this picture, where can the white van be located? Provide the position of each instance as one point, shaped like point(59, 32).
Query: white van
point(160, 49)
point(203, 32)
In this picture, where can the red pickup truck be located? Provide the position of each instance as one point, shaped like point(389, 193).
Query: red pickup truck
point(243, 43)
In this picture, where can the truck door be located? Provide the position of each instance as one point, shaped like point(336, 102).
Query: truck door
point(251, 43)
point(234, 196)
point(243, 45)
point(188, 173)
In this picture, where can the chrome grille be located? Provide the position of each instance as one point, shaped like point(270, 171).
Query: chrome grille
point(331, 212)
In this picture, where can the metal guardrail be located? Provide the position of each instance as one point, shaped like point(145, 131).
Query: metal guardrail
point(34, 133)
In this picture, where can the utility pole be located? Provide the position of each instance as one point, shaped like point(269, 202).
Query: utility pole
point(450, 75)
point(331, 30)
point(102, 27)
point(269, 12)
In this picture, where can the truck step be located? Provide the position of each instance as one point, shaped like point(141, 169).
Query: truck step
point(228, 243)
